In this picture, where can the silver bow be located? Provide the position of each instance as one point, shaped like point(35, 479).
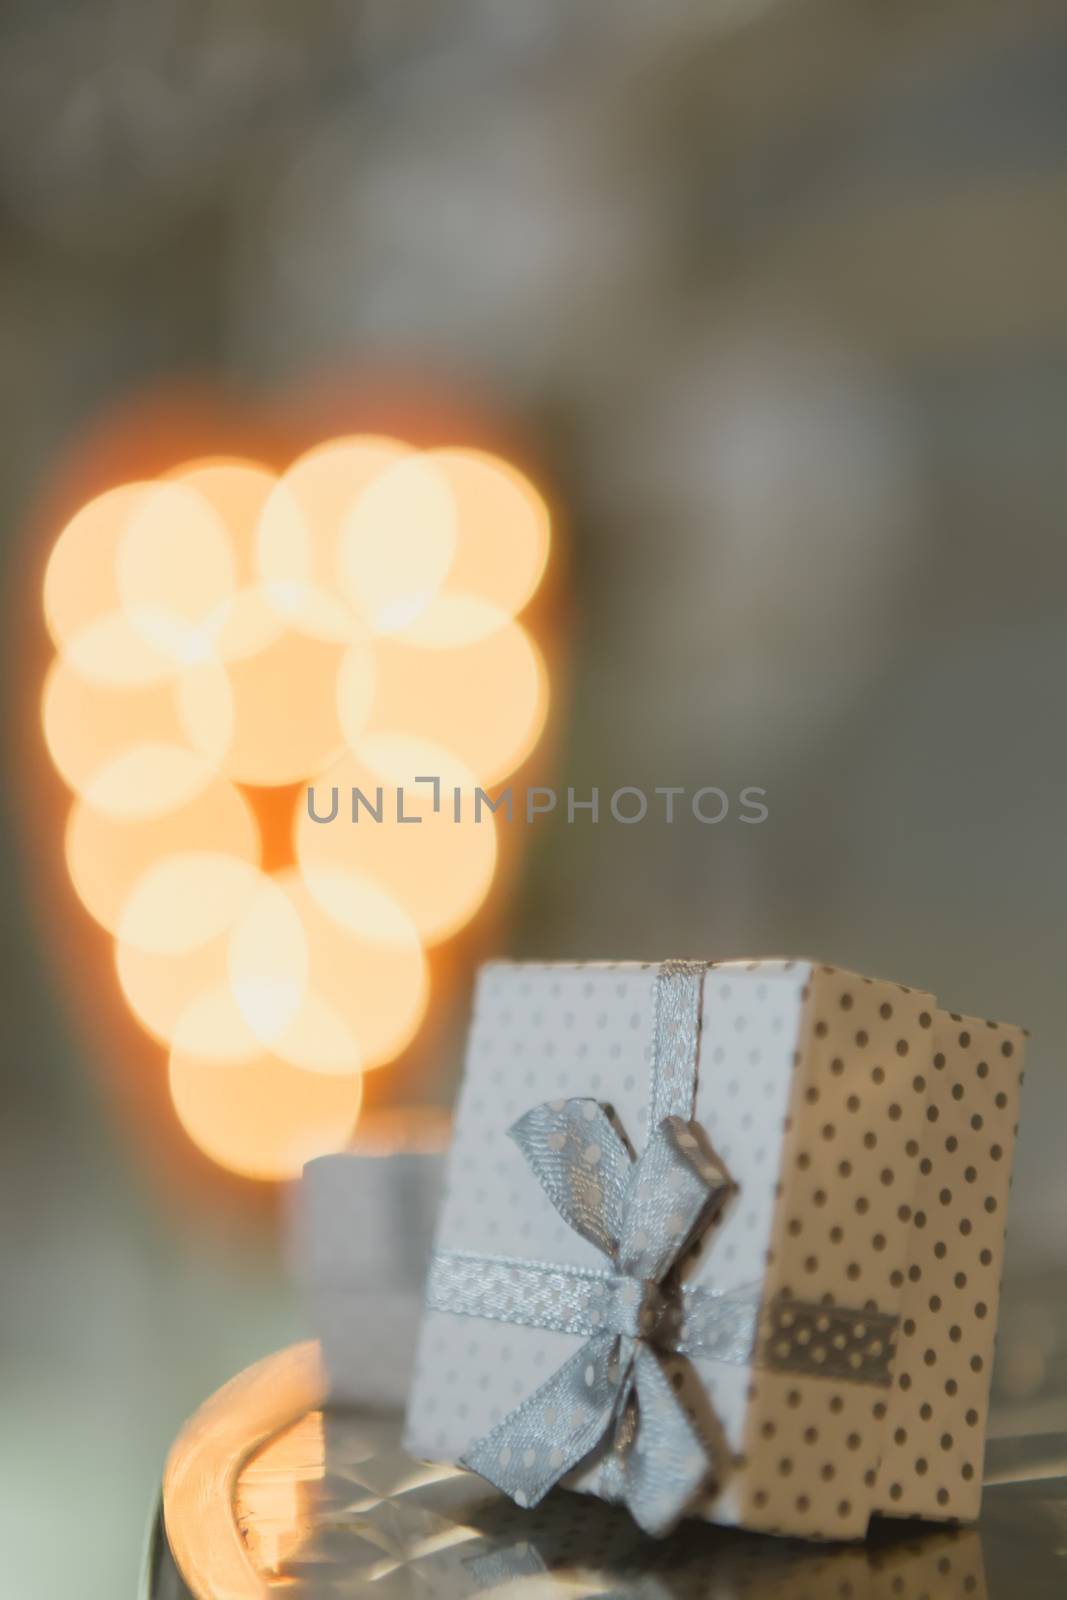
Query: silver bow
point(641, 1213)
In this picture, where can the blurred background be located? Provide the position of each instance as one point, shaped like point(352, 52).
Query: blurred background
point(751, 315)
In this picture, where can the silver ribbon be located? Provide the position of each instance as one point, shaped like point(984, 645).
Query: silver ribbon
point(614, 1391)
point(613, 1401)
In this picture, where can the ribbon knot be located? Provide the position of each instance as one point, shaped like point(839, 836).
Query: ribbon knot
point(638, 1306)
point(614, 1396)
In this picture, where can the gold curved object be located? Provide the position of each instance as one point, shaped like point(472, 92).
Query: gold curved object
point(202, 1470)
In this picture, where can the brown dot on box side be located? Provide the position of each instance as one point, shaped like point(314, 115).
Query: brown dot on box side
point(925, 1019)
point(861, 1038)
point(885, 1010)
point(939, 1061)
point(1007, 1048)
point(821, 1030)
point(845, 1002)
point(837, 1066)
point(951, 1387)
point(895, 1491)
point(942, 1497)
point(920, 1465)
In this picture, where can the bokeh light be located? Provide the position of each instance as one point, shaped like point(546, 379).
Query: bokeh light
point(263, 1118)
point(438, 869)
point(226, 633)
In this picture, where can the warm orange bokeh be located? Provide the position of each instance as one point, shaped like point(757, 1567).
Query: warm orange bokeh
point(227, 636)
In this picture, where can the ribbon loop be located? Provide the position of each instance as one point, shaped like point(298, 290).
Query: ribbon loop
point(582, 1164)
point(672, 1191)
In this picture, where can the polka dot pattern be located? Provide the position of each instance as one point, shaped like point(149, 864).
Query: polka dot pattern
point(869, 1148)
point(844, 1191)
point(933, 1462)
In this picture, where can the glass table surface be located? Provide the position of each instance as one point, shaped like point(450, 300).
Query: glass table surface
point(267, 1494)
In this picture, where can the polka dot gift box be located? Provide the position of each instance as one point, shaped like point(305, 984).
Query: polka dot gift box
point(721, 1241)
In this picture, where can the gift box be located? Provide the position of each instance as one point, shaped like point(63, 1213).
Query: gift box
point(357, 1231)
point(721, 1240)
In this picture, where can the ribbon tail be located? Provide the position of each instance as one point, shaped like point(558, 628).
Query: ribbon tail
point(668, 1463)
point(546, 1437)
